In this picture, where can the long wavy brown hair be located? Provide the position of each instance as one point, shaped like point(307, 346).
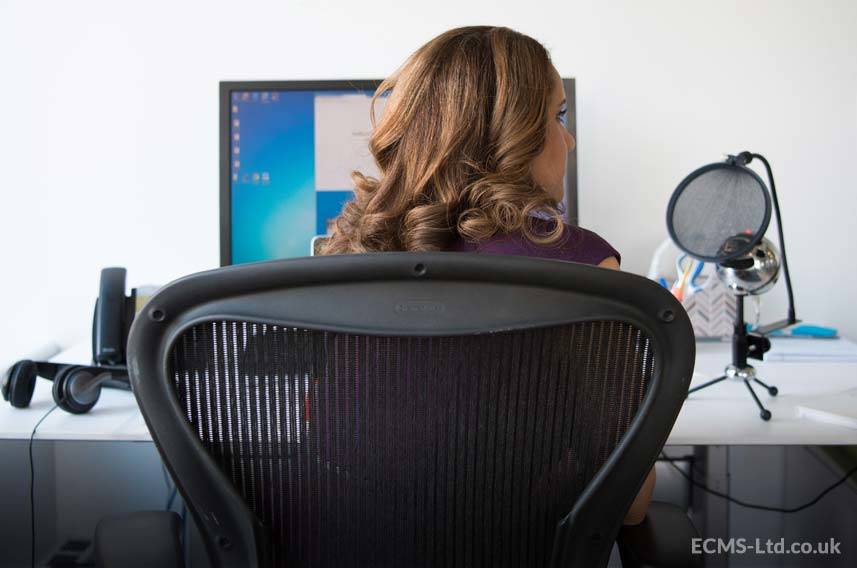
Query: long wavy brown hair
point(467, 113)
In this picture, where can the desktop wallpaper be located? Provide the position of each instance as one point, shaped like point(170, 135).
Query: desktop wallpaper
point(288, 181)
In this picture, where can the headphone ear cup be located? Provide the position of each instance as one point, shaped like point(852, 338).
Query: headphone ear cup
point(65, 387)
point(22, 383)
point(57, 390)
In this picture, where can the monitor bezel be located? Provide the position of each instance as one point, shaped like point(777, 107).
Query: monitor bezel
point(227, 87)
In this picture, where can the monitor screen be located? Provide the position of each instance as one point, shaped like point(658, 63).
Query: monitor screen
point(287, 153)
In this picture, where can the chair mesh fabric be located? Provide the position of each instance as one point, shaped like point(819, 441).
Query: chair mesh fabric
point(361, 450)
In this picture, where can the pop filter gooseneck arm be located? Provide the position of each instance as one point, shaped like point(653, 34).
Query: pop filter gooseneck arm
point(746, 158)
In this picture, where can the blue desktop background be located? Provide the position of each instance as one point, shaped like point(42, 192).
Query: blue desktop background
point(276, 210)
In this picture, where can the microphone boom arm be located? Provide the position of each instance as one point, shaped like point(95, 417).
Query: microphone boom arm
point(745, 158)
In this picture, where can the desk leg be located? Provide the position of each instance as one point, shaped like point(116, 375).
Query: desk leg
point(710, 514)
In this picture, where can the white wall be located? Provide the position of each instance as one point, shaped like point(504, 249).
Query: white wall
point(108, 151)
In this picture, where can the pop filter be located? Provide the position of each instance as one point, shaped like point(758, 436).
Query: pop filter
point(719, 212)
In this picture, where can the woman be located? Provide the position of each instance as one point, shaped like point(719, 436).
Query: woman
point(472, 149)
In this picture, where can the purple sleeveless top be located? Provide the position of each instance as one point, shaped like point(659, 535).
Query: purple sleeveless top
point(575, 245)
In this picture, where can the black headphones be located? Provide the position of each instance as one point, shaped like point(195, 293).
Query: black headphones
point(77, 387)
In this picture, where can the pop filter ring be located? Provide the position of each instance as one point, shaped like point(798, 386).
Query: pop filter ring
point(727, 165)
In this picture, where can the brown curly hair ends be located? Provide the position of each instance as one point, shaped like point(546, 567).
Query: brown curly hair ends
point(467, 113)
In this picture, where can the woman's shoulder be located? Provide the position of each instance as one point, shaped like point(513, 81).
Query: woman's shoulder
point(576, 244)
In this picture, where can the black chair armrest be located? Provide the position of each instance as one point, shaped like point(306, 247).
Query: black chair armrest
point(662, 540)
point(139, 540)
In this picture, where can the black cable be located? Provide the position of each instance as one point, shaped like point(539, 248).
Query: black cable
point(32, 491)
point(792, 317)
point(702, 486)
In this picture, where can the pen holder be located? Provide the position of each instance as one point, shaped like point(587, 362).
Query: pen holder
point(711, 310)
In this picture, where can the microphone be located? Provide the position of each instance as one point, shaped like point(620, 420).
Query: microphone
point(719, 213)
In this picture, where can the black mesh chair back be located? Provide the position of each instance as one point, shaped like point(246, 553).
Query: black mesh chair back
point(438, 409)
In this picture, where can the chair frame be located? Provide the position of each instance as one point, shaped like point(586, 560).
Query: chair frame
point(410, 294)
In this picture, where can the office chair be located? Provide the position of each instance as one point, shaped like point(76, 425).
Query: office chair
point(409, 409)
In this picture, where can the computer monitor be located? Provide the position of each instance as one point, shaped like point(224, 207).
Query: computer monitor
point(287, 150)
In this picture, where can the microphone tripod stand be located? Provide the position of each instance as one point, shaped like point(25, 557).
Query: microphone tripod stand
point(745, 345)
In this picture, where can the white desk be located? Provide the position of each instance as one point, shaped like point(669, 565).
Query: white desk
point(723, 414)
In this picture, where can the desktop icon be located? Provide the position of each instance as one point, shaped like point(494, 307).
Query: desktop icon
point(255, 177)
point(245, 96)
point(236, 137)
point(236, 123)
point(266, 177)
point(234, 108)
point(236, 150)
point(236, 164)
point(275, 96)
point(234, 177)
point(265, 97)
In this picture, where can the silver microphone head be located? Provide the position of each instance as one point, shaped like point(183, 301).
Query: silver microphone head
point(752, 273)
